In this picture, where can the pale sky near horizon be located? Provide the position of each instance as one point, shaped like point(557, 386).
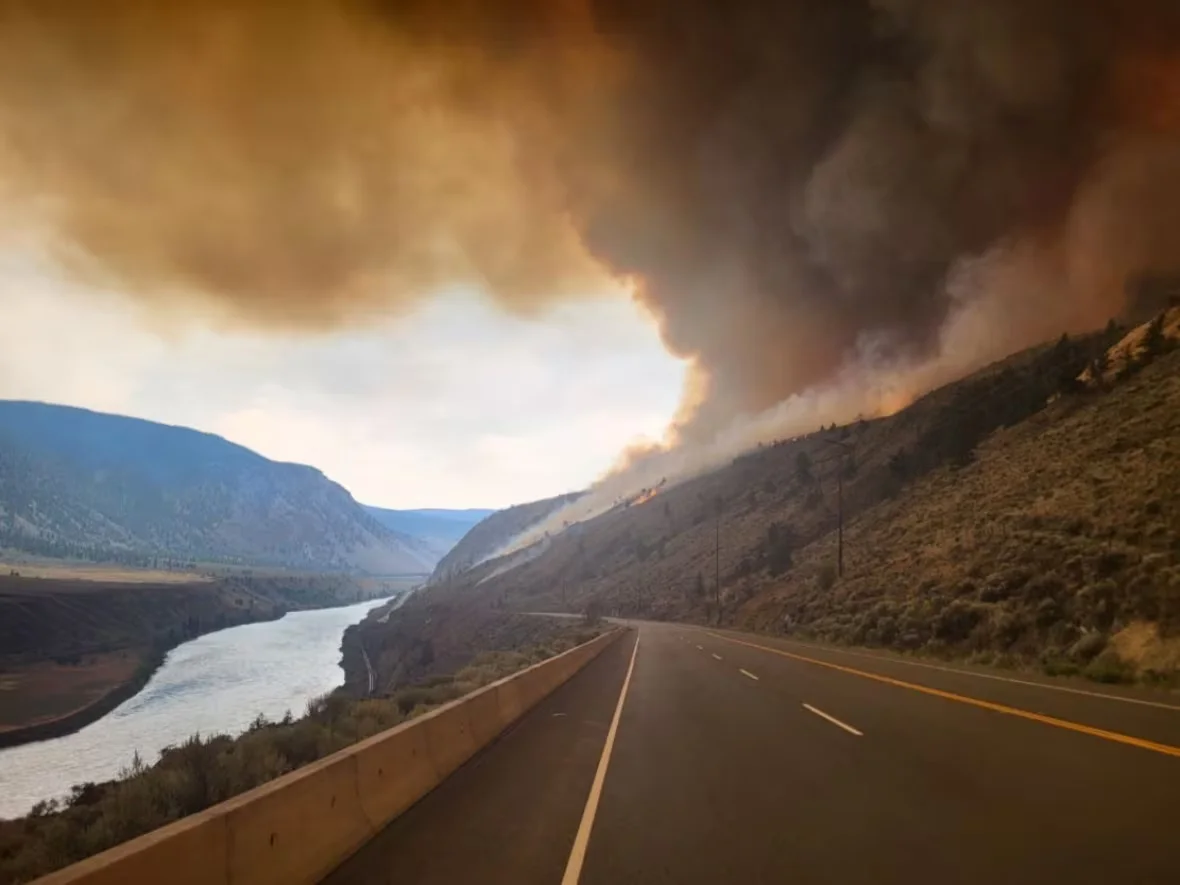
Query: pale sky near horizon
point(455, 405)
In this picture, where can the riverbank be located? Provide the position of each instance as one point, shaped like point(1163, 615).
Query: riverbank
point(71, 651)
point(210, 766)
point(83, 716)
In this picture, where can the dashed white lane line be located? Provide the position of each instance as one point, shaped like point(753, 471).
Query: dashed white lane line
point(573, 867)
point(717, 657)
point(1114, 736)
point(749, 674)
point(832, 719)
point(700, 648)
point(959, 671)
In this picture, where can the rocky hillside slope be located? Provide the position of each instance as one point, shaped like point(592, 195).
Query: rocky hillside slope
point(492, 533)
point(1030, 512)
point(75, 483)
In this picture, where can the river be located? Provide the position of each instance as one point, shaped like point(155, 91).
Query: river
point(215, 684)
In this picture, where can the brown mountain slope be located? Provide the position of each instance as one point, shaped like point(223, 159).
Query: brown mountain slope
point(1017, 513)
point(493, 532)
point(1063, 532)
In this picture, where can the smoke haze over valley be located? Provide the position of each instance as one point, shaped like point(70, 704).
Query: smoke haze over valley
point(736, 338)
point(824, 210)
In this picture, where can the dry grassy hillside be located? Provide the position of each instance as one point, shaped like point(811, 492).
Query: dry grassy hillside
point(1021, 513)
point(1062, 534)
point(493, 532)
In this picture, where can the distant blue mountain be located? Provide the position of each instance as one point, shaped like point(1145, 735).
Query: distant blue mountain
point(85, 484)
point(440, 529)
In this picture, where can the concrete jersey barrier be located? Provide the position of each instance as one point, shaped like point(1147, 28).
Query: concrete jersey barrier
point(301, 826)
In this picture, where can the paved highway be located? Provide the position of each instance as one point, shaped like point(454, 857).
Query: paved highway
point(683, 755)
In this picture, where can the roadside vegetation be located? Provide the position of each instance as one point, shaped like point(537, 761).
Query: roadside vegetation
point(205, 770)
point(1055, 545)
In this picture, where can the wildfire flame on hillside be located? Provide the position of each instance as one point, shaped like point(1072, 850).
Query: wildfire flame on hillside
point(827, 208)
point(644, 496)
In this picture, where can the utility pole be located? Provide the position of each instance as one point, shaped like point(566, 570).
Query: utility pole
point(840, 466)
point(840, 518)
point(717, 559)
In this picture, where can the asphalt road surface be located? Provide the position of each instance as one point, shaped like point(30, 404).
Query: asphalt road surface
point(683, 755)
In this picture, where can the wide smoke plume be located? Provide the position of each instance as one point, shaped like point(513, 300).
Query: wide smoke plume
point(792, 188)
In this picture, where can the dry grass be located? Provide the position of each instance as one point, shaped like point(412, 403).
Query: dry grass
point(1141, 645)
point(66, 571)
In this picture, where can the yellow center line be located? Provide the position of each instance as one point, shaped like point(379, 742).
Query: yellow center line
point(1115, 736)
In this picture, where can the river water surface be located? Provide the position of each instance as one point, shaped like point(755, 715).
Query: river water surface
point(215, 684)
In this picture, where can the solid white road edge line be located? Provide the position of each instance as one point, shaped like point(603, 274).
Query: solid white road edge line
point(573, 867)
point(832, 719)
point(748, 673)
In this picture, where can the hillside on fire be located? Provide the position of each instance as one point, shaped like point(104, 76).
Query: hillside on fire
point(1019, 516)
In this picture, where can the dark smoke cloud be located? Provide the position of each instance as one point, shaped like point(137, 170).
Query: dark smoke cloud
point(827, 166)
point(787, 184)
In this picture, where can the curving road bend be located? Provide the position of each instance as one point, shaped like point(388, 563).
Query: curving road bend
point(683, 755)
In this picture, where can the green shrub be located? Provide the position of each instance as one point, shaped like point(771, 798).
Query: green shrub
point(911, 639)
point(1006, 661)
point(1110, 563)
point(1043, 587)
point(1048, 612)
point(1054, 664)
point(1109, 667)
point(826, 576)
point(957, 620)
point(1088, 647)
point(409, 699)
point(884, 631)
point(780, 549)
point(1008, 628)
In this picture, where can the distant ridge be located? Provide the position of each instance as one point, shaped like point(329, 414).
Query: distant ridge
point(437, 528)
point(90, 485)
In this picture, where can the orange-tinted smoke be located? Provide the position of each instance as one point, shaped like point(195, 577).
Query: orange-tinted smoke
point(300, 163)
point(789, 184)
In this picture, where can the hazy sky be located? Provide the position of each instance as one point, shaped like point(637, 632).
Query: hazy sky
point(456, 405)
